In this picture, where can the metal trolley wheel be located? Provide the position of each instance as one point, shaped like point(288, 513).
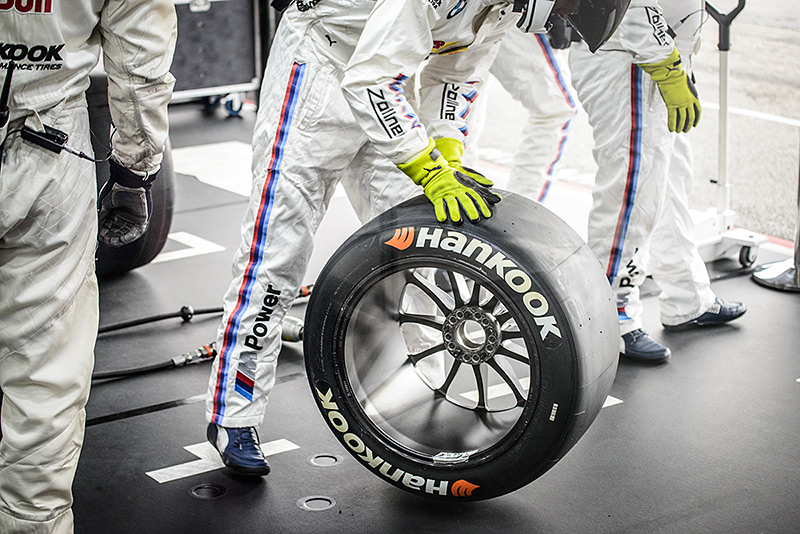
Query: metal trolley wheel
point(748, 256)
point(461, 362)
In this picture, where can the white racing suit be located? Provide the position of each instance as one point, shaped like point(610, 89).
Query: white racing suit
point(640, 205)
point(48, 227)
point(332, 104)
point(532, 72)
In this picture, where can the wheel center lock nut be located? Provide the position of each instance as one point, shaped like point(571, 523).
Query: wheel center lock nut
point(471, 335)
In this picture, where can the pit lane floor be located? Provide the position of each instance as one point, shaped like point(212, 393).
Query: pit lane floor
point(708, 442)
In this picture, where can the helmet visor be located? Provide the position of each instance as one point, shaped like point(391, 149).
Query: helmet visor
point(596, 20)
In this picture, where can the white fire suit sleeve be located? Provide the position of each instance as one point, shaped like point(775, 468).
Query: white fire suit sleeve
point(685, 19)
point(138, 39)
point(643, 33)
point(396, 38)
point(449, 85)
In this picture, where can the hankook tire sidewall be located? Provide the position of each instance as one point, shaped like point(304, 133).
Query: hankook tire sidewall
point(533, 445)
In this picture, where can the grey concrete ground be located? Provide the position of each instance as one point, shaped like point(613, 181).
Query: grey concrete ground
point(764, 107)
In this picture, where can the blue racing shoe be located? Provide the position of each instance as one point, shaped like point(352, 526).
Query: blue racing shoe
point(721, 312)
point(639, 346)
point(239, 448)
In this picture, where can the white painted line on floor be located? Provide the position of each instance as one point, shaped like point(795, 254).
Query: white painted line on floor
point(224, 165)
point(210, 460)
point(754, 114)
point(611, 401)
point(197, 246)
point(798, 380)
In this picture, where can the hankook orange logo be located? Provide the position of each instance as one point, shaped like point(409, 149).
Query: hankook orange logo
point(402, 238)
point(462, 488)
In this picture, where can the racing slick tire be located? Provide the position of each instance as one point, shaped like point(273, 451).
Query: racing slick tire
point(116, 261)
point(461, 362)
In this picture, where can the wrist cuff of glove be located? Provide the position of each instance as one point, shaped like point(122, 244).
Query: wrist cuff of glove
point(421, 167)
point(665, 69)
point(452, 149)
point(127, 178)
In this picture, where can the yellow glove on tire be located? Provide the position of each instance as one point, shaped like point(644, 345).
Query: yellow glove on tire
point(449, 190)
point(452, 150)
point(678, 92)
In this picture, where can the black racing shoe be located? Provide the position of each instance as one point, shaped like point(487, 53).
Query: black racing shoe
point(639, 346)
point(239, 448)
point(721, 312)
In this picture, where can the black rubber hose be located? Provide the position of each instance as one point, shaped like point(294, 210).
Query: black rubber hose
point(134, 371)
point(186, 313)
point(201, 354)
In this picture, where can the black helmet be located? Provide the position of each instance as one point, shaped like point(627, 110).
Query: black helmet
point(594, 20)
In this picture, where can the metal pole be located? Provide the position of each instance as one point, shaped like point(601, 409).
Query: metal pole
point(724, 45)
point(723, 187)
point(797, 240)
point(783, 275)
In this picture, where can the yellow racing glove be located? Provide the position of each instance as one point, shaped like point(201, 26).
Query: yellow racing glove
point(453, 150)
point(677, 90)
point(449, 190)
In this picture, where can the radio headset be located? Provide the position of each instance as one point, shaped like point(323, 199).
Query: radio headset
point(50, 139)
point(4, 111)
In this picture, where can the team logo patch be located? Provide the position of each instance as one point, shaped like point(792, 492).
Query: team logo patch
point(27, 6)
point(244, 385)
point(34, 54)
point(458, 8)
point(385, 113)
point(659, 25)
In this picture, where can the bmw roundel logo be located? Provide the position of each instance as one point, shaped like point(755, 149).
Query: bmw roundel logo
point(458, 8)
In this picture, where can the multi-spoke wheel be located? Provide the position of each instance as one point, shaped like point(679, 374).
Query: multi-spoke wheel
point(472, 333)
point(461, 362)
